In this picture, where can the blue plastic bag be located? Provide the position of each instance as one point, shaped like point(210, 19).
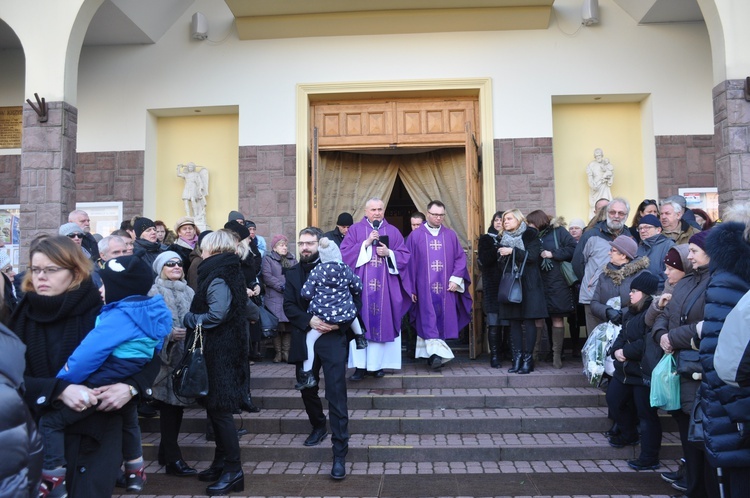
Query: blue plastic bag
point(665, 384)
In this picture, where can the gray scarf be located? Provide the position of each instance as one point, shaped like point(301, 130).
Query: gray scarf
point(177, 296)
point(514, 238)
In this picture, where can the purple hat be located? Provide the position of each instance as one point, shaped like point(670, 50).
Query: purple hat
point(625, 245)
point(674, 259)
point(699, 239)
point(278, 238)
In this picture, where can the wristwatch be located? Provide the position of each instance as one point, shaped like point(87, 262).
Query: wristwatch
point(133, 391)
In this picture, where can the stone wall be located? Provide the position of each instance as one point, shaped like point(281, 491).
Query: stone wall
point(524, 174)
point(732, 138)
point(111, 177)
point(267, 183)
point(10, 172)
point(685, 161)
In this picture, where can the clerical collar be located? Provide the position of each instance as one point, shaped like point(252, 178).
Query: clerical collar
point(432, 227)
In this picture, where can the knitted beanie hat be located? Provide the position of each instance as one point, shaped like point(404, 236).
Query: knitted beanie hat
point(235, 215)
point(652, 220)
point(625, 245)
point(699, 239)
point(141, 225)
point(576, 222)
point(646, 282)
point(674, 259)
point(125, 276)
point(278, 238)
point(328, 250)
point(162, 258)
point(69, 228)
point(345, 220)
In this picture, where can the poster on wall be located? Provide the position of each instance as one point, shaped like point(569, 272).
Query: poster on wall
point(105, 216)
point(706, 199)
point(10, 237)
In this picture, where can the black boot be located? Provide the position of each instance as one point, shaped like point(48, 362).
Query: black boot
point(228, 482)
point(528, 364)
point(492, 338)
point(516, 341)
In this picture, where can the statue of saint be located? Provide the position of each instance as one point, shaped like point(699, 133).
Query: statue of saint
point(195, 192)
point(600, 174)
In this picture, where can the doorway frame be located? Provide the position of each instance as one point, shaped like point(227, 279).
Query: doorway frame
point(307, 92)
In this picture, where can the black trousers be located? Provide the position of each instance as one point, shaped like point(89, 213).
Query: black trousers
point(170, 421)
point(227, 453)
point(331, 351)
point(701, 477)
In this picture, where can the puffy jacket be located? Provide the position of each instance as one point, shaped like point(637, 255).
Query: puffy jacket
point(20, 444)
point(591, 255)
point(724, 405)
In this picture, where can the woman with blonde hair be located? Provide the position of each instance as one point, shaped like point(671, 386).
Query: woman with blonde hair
point(519, 245)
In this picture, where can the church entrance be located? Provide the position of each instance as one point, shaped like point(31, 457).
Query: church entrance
point(427, 156)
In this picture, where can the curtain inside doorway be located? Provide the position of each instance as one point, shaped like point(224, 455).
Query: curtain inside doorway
point(349, 180)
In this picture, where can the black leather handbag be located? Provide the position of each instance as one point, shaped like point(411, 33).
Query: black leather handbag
point(510, 290)
point(190, 378)
point(695, 429)
point(268, 322)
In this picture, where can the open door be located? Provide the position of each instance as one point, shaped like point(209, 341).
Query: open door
point(314, 177)
point(474, 230)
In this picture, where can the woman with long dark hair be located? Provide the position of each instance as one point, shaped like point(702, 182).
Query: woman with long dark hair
point(488, 261)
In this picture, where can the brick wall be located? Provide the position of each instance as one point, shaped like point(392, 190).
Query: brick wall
point(685, 161)
point(524, 174)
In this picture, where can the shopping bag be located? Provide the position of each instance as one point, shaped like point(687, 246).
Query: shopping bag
point(665, 384)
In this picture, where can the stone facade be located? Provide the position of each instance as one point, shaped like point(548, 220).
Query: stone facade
point(524, 174)
point(267, 183)
point(111, 177)
point(10, 172)
point(685, 161)
point(732, 138)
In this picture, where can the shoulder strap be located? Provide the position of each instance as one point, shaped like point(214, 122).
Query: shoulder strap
point(523, 265)
point(554, 233)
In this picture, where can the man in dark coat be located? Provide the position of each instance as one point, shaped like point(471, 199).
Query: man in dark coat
point(145, 245)
point(330, 354)
point(343, 223)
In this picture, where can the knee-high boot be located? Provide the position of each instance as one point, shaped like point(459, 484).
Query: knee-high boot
point(558, 334)
point(493, 337)
point(516, 343)
point(277, 348)
point(286, 343)
point(530, 340)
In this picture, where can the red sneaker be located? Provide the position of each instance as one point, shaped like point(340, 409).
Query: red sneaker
point(52, 486)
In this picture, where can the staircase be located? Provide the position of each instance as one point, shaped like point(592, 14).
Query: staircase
point(464, 419)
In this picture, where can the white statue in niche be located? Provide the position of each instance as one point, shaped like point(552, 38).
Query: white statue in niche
point(600, 174)
point(195, 192)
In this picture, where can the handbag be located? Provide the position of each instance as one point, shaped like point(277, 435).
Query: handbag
point(689, 363)
point(190, 378)
point(566, 267)
point(695, 428)
point(510, 290)
point(268, 322)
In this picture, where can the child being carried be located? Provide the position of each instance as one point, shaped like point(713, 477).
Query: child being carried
point(329, 288)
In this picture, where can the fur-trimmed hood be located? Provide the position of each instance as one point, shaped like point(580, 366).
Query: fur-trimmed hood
point(557, 222)
point(728, 249)
point(630, 268)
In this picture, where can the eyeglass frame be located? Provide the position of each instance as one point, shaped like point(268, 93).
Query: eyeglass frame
point(49, 270)
point(76, 235)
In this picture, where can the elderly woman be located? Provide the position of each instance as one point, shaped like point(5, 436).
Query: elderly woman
point(519, 242)
point(58, 310)
point(273, 269)
point(170, 284)
point(220, 305)
point(674, 330)
point(491, 271)
point(187, 238)
point(646, 207)
point(557, 246)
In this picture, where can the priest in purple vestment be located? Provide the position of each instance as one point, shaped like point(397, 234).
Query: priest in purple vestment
point(437, 279)
point(384, 300)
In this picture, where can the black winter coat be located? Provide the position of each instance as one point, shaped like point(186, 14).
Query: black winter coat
point(723, 405)
point(488, 262)
point(533, 305)
point(147, 251)
point(220, 304)
point(632, 341)
point(615, 281)
point(688, 300)
point(557, 292)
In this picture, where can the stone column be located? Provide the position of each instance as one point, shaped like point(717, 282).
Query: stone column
point(732, 141)
point(47, 190)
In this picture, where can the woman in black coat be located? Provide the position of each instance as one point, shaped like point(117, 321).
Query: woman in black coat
point(557, 246)
point(631, 381)
point(488, 263)
point(518, 241)
point(220, 305)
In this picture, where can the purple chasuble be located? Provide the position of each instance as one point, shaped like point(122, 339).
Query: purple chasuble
point(434, 260)
point(384, 300)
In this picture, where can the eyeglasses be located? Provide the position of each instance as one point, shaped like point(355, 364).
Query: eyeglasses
point(172, 264)
point(75, 236)
point(441, 215)
point(49, 270)
point(645, 228)
point(620, 214)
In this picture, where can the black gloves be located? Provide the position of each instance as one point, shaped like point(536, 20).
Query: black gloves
point(614, 316)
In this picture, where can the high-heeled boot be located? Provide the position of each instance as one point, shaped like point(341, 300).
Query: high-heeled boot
point(277, 348)
point(493, 339)
point(529, 339)
point(528, 364)
point(286, 343)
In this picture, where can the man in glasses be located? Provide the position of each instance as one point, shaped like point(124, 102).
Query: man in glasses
point(81, 218)
point(654, 245)
point(376, 252)
point(437, 280)
point(592, 253)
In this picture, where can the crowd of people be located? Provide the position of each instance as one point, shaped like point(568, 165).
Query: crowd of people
point(105, 323)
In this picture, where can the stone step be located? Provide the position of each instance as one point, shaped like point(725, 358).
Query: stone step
point(422, 447)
